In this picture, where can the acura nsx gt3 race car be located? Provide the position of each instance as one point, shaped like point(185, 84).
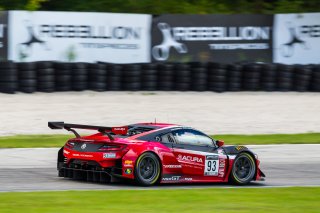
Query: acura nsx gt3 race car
point(150, 153)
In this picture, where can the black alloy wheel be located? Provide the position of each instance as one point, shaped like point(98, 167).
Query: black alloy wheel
point(147, 169)
point(243, 169)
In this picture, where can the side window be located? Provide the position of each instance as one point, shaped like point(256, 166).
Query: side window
point(166, 138)
point(192, 137)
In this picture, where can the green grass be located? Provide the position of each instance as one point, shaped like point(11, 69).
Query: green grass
point(293, 200)
point(31, 141)
point(304, 138)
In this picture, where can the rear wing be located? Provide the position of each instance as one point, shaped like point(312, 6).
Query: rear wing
point(102, 129)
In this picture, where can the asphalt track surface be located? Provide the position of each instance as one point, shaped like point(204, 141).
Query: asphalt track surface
point(35, 170)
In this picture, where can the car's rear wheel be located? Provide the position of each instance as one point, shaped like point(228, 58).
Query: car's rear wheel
point(243, 169)
point(147, 169)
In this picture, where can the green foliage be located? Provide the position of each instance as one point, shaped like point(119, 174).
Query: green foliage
point(291, 199)
point(31, 141)
point(168, 6)
point(34, 4)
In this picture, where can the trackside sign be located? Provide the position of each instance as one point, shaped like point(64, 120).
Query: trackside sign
point(297, 38)
point(74, 36)
point(220, 38)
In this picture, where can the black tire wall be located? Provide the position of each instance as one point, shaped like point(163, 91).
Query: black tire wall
point(53, 76)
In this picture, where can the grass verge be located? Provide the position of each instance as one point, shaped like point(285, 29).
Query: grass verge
point(32, 141)
point(297, 199)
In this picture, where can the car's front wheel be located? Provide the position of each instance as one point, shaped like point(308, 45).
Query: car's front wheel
point(147, 169)
point(243, 169)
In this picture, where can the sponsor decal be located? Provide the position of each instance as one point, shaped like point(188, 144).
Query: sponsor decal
point(87, 37)
point(128, 171)
point(222, 163)
point(188, 179)
point(172, 36)
point(83, 155)
point(128, 163)
point(296, 38)
point(222, 38)
point(66, 152)
point(212, 157)
point(221, 173)
point(171, 178)
point(120, 130)
point(189, 158)
point(109, 155)
point(172, 166)
point(161, 52)
point(83, 146)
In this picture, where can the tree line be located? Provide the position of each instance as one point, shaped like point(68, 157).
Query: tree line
point(167, 6)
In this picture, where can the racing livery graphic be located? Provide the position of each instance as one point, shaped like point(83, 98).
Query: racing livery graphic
point(151, 153)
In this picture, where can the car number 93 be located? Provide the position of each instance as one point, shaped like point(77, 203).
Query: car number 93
point(211, 165)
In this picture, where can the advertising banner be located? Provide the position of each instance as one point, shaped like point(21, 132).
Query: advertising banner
point(3, 35)
point(77, 36)
point(219, 38)
point(297, 38)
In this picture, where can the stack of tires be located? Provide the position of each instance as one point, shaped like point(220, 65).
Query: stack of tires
point(97, 76)
point(251, 77)
point(165, 77)
point(114, 77)
point(27, 77)
point(198, 76)
point(315, 83)
point(182, 76)
point(284, 77)
point(234, 77)
point(268, 77)
point(45, 76)
point(132, 77)
point(8, 77)
point(63, 76)
point(302, 78)
point(217, 77)
point(149, 77)
point(79, 77)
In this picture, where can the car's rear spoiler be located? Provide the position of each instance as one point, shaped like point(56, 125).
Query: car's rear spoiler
point(102, 129)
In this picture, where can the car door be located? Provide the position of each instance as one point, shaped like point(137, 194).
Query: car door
point(196, 152)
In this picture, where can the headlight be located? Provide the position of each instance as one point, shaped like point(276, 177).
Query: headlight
point(256, 156)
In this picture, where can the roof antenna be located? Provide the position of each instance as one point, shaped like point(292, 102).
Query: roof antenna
point(155, 120)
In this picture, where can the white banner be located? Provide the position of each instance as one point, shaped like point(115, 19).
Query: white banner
point(296, 38)
point(77, 36)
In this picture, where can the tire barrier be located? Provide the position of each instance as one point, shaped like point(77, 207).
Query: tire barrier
point(165, 77)
point(51, 76)
point(217, 77)
point(27, 77)
point(45, 76)
point(8, 77)
point(234, 77)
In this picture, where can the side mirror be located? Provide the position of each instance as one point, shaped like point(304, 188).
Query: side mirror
point(219, 143)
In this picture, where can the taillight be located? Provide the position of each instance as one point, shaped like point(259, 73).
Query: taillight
point(112, 147)
point(70, 144)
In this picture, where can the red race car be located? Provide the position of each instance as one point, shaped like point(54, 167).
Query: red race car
point(152, 153)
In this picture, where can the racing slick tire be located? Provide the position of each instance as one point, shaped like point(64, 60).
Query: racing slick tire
point(147, 169)
point(243, 169)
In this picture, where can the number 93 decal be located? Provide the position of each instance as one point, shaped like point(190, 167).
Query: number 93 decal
point(211, 165)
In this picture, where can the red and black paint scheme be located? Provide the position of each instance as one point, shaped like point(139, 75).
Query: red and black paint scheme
point(151, 153)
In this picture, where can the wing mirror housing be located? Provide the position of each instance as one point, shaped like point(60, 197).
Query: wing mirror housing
point(219, 143)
